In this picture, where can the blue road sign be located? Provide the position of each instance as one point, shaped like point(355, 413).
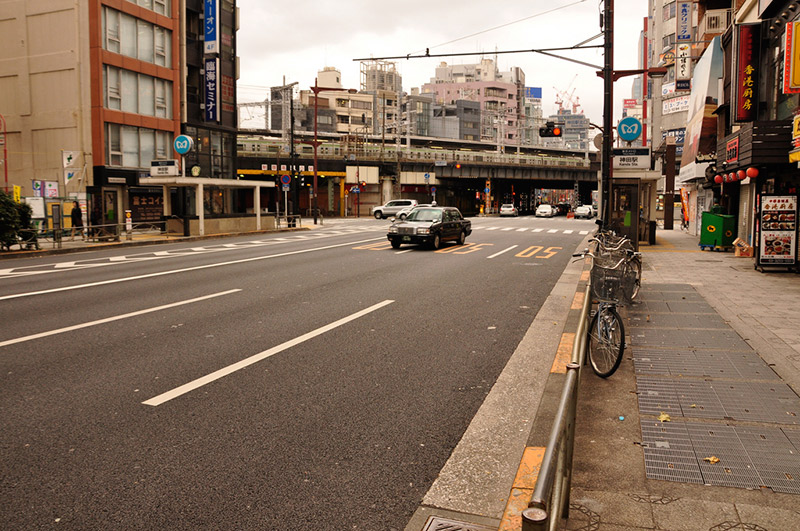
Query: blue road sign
point(433, 189)
point(286, 179)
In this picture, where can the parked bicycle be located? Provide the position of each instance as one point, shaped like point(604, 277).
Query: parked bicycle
point(622, 248)
point(612, 284)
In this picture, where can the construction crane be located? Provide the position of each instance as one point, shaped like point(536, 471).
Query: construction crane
point(564, 97)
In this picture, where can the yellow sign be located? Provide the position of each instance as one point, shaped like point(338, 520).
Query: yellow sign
point(17, 193)
point(796, 127)
point(791, 68)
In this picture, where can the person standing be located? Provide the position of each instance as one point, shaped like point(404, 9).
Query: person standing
point(77, 220)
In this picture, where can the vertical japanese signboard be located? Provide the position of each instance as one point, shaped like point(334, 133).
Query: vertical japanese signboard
point(683, 20)
point(791, 62)
point(683, 67)
point(211, 26)
point(745, 86)
point(777, 239)
point(212, 89)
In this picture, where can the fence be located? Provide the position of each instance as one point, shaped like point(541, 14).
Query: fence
point(551, 493)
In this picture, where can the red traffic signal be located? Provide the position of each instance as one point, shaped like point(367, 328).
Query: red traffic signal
point(550, 129)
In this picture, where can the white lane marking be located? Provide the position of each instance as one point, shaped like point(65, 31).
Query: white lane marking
point(477, 227)
point(552, 231)
point(183, 270)
point(522, 229)
point(568, 231)
point(64, 264)
point(538, 230)
point(405, 251)
point(584, 232)
point(216, 375)
point(508, 228)
point(115, 318)
point(501, 252)
point(492, 228)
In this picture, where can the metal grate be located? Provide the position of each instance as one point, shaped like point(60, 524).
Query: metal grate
point(437, 523)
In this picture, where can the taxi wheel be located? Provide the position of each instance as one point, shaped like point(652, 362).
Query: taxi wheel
point(462, 238)
point(395, 244)
point(436, 242)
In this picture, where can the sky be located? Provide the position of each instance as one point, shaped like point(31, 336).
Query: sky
point(293, 40)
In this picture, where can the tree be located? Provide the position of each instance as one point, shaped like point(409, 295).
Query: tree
point(15, 222)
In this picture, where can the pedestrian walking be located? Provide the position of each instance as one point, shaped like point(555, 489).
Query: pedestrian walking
point(77, 220)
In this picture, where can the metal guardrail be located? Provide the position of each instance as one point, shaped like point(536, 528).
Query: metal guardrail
point(551, 493)
point(35, 239)
point(292, 220)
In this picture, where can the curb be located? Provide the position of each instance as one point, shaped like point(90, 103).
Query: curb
point(530, 464)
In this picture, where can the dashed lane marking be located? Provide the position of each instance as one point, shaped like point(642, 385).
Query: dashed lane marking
point(503, 251)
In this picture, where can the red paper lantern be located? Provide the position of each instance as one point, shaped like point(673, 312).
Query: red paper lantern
point(741, 175)
point(752, 172)
point(718, 179)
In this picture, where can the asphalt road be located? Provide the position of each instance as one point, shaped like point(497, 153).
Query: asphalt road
point(314, 380)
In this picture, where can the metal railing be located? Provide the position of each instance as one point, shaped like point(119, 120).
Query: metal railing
point(551, 492)
point(34, 239)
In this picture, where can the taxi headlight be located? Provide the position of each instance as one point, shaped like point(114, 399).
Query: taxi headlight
point(392, 230)
point(423, 230)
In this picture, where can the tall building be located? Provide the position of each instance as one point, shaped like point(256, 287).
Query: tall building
point(574, 130)
point(100, 95)
point(500, 95)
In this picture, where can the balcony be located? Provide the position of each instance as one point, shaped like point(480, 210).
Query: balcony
point(762, 142)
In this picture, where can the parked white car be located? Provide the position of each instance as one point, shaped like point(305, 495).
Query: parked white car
point(584, 211)
point(546, 211)
point(403, 213)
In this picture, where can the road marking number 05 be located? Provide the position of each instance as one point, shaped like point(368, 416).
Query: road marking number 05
point(530, 251)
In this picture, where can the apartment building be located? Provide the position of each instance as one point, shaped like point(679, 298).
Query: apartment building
point(499, 94)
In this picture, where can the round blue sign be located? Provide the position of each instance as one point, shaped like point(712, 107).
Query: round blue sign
point(285, 179)
point(629, 129)
point(183, 144)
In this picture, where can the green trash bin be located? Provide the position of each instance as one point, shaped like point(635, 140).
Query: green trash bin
point(717, 231)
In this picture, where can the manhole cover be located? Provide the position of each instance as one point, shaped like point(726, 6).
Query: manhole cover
point(437, 523)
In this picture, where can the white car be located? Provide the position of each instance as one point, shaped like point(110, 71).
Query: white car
point(584, 211)
point(403, 213)
point(508, 210)
point(546, 211)
point(392, 208)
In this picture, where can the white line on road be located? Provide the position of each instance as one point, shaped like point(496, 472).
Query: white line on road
point(216, 375)
point(568, 231)
point(492, 228)
point(584, 232)
point(508, 228)
point(552, 231)
point(538, 230)
point(115, 318)
point(523, 229)
point(501, 252)
point(183, 270)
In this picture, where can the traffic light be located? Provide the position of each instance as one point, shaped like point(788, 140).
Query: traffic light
point(550, 129)
point(363, 184)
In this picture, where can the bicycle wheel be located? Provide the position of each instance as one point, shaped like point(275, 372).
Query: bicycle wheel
point(606, 341)
point(633, 277)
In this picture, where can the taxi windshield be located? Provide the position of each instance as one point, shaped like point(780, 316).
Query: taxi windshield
point(425, 214)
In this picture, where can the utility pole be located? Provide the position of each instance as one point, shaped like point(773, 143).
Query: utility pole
point(608, 108)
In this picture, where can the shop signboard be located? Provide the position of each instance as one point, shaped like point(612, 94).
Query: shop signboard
point(745, 86)
point(777, 230)
point(211, 26)
point(683, 66)
point(212, 89)
point(791, 61)
point(673, 105)
point(683, 20)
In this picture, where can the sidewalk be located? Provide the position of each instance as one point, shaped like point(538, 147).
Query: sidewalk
point(700, 426)
point(70, 245)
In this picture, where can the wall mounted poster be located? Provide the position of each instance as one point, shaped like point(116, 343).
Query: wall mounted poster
point(777, 243)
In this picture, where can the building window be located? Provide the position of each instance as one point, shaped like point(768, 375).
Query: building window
point(669, 11)
point(132, 37)
point(137, 93)
point(135, 147)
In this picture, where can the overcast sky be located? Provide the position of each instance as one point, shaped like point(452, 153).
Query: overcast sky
point(296, 38)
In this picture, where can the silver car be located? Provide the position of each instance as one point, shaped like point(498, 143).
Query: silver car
point(403, 213)
point(391, 208)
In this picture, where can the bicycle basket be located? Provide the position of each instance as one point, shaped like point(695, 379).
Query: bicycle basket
point(607, 282)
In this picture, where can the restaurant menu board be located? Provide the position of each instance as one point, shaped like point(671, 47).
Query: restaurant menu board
point(778, 235)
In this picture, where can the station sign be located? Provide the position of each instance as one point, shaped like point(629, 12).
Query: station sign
point(632, 158)
point(164, 168)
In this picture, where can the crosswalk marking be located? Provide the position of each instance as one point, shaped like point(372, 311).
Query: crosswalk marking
point(522, 229)
point(584, 232)
point(538, 230)
point(552, 231)
point(492, 228)
point(568, 232)
point(508, 228)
